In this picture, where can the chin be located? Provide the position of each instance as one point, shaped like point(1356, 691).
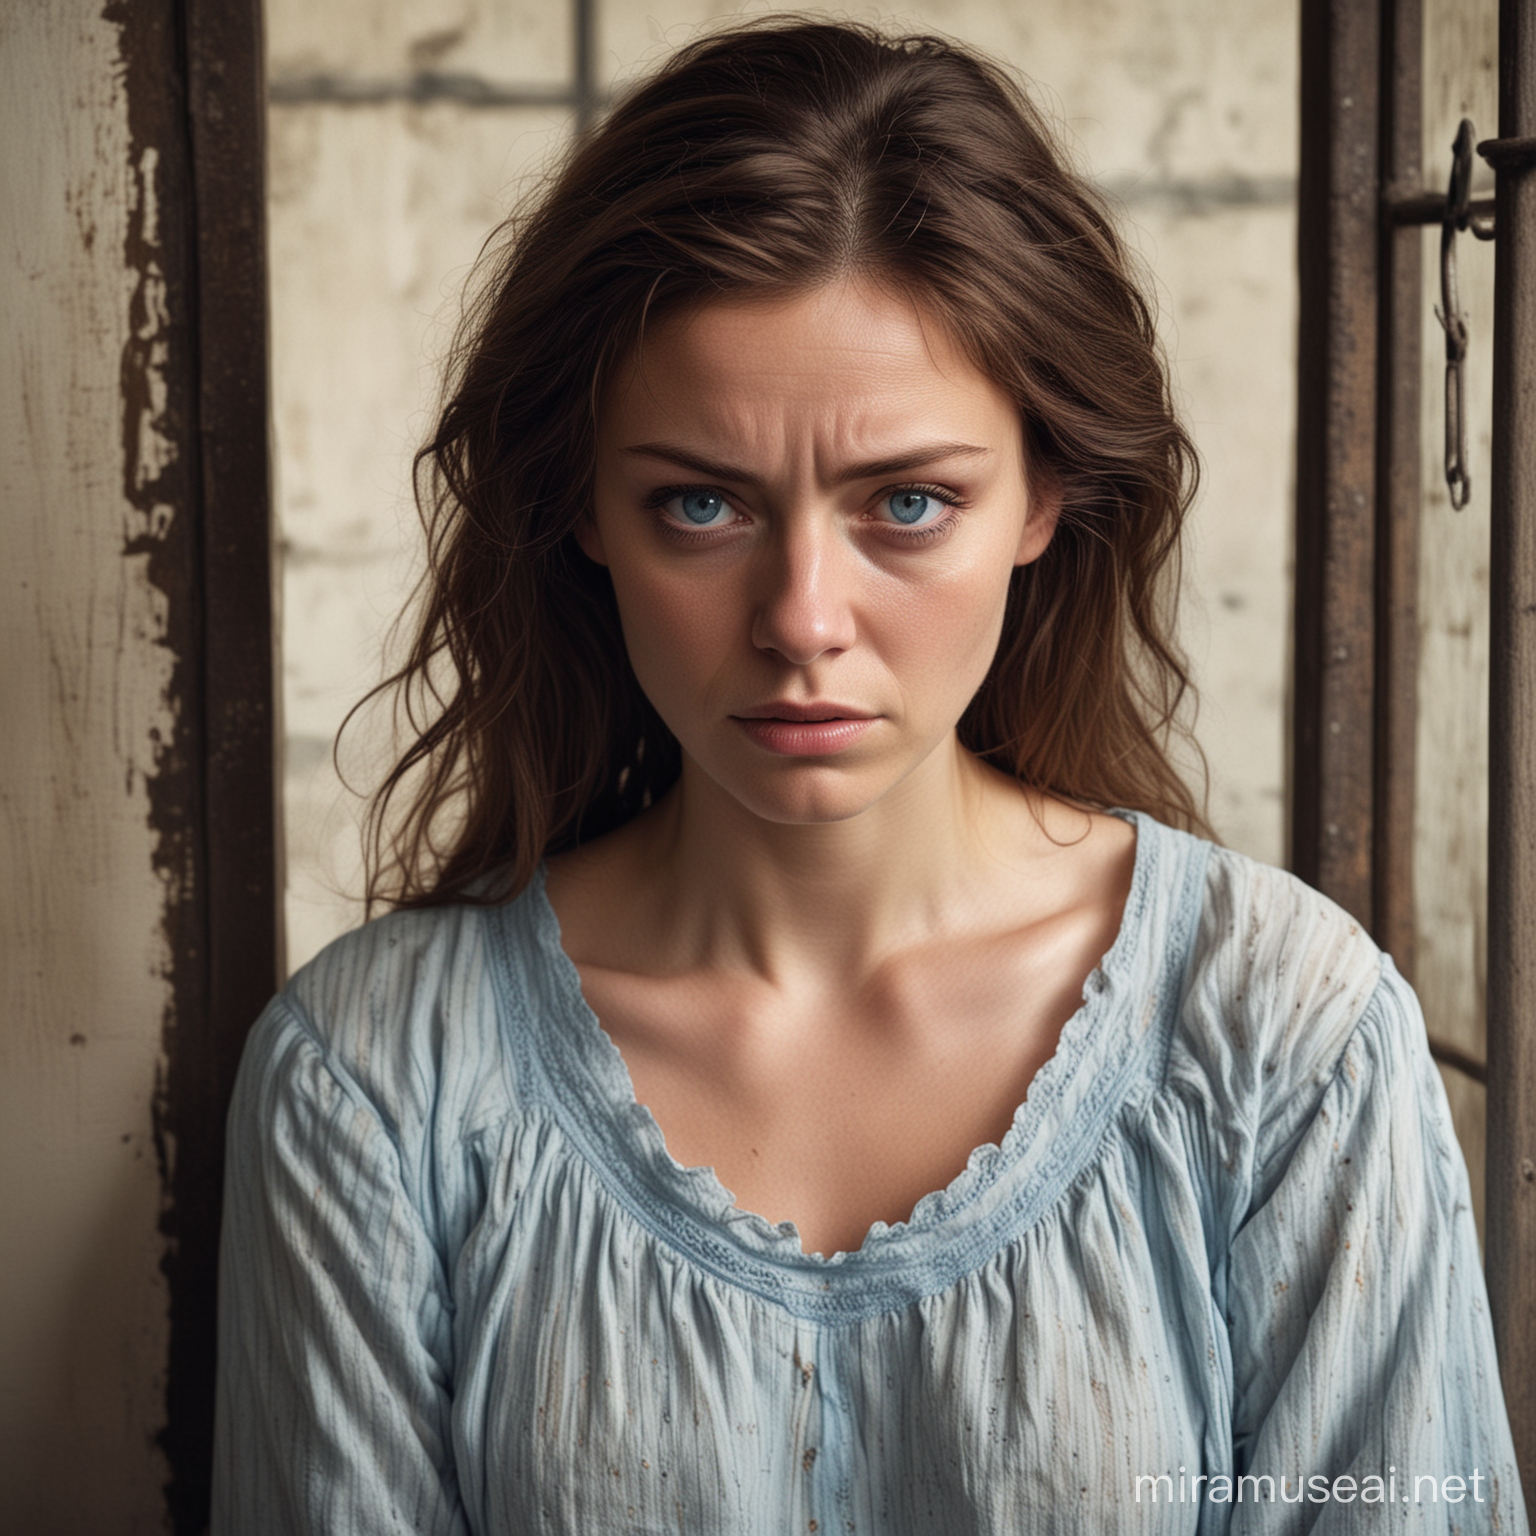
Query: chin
point(803, 794)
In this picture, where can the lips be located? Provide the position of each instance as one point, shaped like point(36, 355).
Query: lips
point(784, 709)
point(788, 729)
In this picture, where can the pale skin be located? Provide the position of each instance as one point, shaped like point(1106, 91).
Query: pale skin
point(832, 974)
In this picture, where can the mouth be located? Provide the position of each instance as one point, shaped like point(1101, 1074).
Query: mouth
point(783, 709)
point(786, 729)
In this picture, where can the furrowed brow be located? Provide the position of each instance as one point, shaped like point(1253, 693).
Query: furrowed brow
point(914, 458)
point(684, 459)
point(873, 469)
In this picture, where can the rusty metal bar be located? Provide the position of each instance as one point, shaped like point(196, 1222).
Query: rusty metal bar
point(1333, 756)
point(1511, 1190)
point(1399, 493)
point(589, 96)
point(1457, 1059)
point(228, 956)
point(425, 86)
point(1428, 207)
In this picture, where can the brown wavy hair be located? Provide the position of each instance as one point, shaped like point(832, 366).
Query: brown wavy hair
point(770, 158)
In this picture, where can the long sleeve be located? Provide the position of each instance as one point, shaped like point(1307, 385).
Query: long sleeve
point(335, 1336)
point(1362, 1346)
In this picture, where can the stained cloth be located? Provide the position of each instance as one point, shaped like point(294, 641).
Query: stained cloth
point(465, 1288)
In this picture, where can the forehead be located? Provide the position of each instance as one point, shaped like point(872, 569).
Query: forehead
point(846, 357)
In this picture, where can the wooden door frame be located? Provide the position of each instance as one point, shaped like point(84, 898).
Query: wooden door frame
point(193, 79)
point(1361, 202)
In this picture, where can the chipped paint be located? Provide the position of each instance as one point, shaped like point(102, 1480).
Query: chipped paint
point(91, 669)
point(193, 399)
point(121, 1031)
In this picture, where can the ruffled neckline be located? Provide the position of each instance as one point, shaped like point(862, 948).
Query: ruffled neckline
point(1001, 1190)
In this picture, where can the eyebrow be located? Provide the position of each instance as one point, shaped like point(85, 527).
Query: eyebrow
point(871, 469)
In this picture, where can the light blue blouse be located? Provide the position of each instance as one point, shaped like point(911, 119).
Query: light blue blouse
point(1225, 1246)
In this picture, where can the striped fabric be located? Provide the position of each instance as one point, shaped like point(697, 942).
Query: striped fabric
point(1225, 1246)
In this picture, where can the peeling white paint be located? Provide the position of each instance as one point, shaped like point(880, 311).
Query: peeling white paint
point(156, 449)
point(84, 988)
point(149, 163)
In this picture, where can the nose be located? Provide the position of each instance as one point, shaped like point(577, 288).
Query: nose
point(803, 603)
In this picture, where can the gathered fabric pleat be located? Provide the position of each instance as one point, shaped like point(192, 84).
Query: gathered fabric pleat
point(1224, 1253)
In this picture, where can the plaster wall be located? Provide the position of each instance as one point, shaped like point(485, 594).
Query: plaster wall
point(84, 989)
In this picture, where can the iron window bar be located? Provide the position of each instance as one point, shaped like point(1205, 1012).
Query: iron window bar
point(580, 93)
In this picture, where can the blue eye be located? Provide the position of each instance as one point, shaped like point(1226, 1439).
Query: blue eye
point(701, 508)
point(912, 506)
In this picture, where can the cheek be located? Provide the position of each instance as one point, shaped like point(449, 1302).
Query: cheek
point(679, 631)
point(939, 637)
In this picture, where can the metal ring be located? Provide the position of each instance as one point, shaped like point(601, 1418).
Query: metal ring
point(1508, 154)
point(1458, 196)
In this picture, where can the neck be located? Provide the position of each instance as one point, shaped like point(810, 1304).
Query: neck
point(827, 898)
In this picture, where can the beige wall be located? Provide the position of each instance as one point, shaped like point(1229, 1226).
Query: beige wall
point(1187, 111)
point(83, 986)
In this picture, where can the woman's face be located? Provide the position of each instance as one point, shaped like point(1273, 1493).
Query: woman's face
point(810, 508)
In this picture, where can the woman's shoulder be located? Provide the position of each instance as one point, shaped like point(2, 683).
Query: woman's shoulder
point(1277, 978)
point(408, 1013)
point(1287, 1014)
point(405, 958)
point(1269, 940)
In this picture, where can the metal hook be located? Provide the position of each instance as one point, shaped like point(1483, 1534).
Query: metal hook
point(1458, 216)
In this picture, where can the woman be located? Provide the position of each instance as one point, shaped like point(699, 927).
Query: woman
point(814, 1078)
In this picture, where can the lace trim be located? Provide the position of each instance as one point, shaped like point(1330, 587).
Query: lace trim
point(578, 1046)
